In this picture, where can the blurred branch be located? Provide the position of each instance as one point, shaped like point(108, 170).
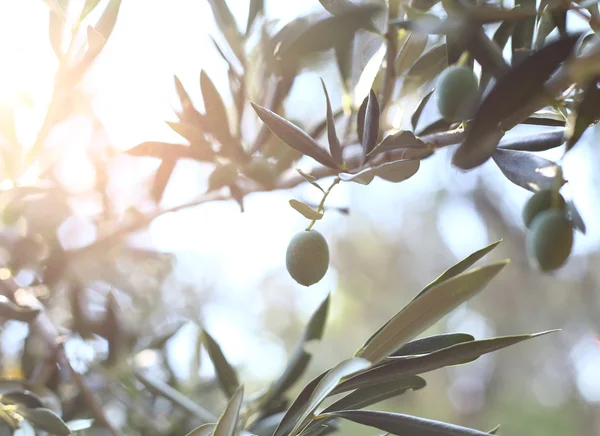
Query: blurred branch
point(46, 329)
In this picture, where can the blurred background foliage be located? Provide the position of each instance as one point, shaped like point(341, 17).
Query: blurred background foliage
point(67, 187)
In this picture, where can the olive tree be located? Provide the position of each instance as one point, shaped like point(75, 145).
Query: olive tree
point(452, 58)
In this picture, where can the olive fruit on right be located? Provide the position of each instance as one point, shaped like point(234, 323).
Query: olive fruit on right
point(539, 202)
point(307, 257)
point(550, 239)
point(458, 93)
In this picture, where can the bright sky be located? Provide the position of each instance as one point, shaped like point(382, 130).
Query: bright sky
point(134, 94)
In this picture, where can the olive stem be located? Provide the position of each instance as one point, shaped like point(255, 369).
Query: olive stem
point(321, 205)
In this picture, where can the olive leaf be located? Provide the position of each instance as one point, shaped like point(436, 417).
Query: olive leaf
point(294, 136)
point(425, 69)
point(227, 26)
point(360, 119)
point(88, 7)
point(397, 171)
point(107, 21)
point(398, 367)
point(399, 140)
point(228, 423)
point(327, 384)
point(305, 210)
point(430, 344)
point(226, 374)
point(368, 396)
point(310, 179)
point(216, 113)
point(396, 423)
point(335, 147)
point(371, 125)
point(169, 150)
point(300, 358)
point(526, 170)
point(184, 98)
point(322, 31)
point(76, 425)
point(47, 420)
point(255, 7)
point(540, 142)
point(161, 178)
point(203, 430)
point(414, 119)
point(430, 307)
point(587, 112)
point(522, 36)
point(512, 91)
point(453, 271)
point(500, 38)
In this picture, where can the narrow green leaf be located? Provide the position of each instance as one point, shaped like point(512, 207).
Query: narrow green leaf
point(175, 151)
point(538, 142)
point(522, 35)
point(310, 179)
point(10, 310)
point(526, 170)
point(397, 171)
point(256, 7)
point(414, 119)
point(343, 58)
point(203, 430)
point(228, 27)
point(305, 210)
point(586, 114)
point(107, 21)
point(295, 410)
point(432, 343)
point(47, 420)
point(545, 27)
point(226, 374)
point(399, 424)
point(327, 384)
point(430, 307)
point(322, 31)
point(500, 38)
point(184, 98)
point(89, 6)
point(294, 136)
point(229, 421)
point(514, 90)
point(461, 266)
point(399, 140)
point(360, 119)
point(335, 148)
point(159, 387)
point(425, 69)
point(403, 366)
point(367, 396)
point(216, 112)
point(363, 177)
point(161, 178)
point(494, 430)
point(410, 52)
point(371, 125)
point(55, 31)
point(300, 358)
point(266, 426)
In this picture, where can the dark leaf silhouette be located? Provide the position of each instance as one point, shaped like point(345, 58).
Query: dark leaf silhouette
point(514, 90)
point(587, 112)
point(414, 119)
point(526, 170)
point(540, 142)
point(371, 125)
point(335, 147)
point(396, 423)
point(294, 136)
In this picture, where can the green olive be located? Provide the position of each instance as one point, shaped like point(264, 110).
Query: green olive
point(307, 257)
point(458, 93)
point(538, 203)
point(550, 239)
point(223, 175)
